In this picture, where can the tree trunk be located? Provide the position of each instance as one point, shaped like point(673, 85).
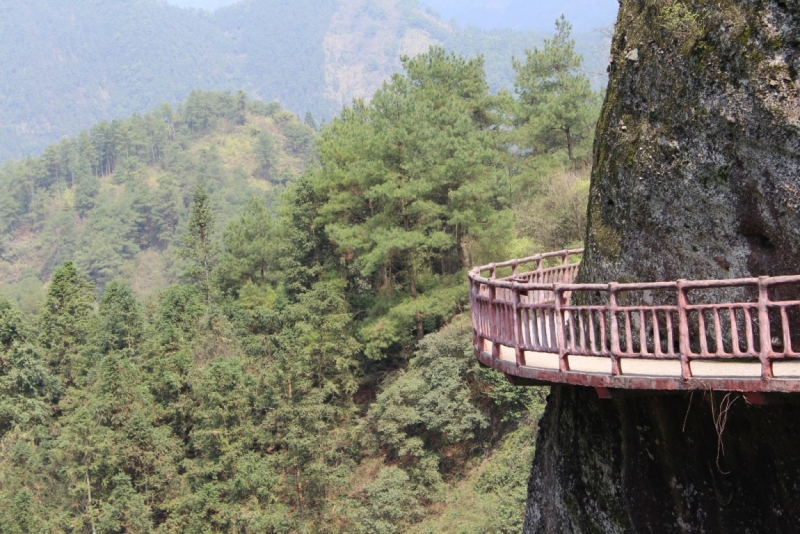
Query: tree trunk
point(418, 315)
point(694, 177)
point(569, 142)
point(89, 501)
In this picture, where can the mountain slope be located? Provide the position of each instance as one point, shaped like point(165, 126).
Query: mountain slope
point(278, 45)
point(114, 199)
point(66, 64)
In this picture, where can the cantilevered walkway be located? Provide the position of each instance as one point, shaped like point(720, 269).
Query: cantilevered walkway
point(533, 323)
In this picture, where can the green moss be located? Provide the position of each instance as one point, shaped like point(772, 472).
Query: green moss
point(683, 24)
point(607, 240)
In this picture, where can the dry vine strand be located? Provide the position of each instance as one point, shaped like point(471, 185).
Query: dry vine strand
point(720, 419)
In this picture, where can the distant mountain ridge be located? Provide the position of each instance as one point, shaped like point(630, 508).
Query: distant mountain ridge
point(66, 64)
point(585, 15)
point(536, 15)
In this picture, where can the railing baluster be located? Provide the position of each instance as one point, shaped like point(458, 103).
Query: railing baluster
point(764, 333)
point(545, 328)
point(520, 355)
point(643, 332)
point(628, 333)
point(748, 320)
point(563, 364)
point(683, 331)
point(787, 336)
point(493, 323)
point(737, 350)
point(792, 349)
point(569, 335)
point(543, 320)
point(670, 335)
point(581, 328)
point(701, 327)
point(656, 335)
point(592, 337)
point(614, 327)
point(718, 334)
point(603, 334)
point(530, 325)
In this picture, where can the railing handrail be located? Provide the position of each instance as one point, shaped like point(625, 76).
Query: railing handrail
point(532, 311)
point(492, 267)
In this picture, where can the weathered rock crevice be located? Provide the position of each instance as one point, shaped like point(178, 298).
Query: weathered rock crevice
point(696, 175)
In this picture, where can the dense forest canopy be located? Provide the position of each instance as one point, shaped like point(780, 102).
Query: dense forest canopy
point(250, 325)
point(68, 64)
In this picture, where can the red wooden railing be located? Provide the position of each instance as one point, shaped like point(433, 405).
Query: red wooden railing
point(523, 314)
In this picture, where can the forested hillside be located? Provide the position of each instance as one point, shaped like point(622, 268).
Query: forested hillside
point(247, 325)
point(67, 64)
point(114, 199)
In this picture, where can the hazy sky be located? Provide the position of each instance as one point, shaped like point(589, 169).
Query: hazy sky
point(528, 14)
point(520, 14)
point(205, 4)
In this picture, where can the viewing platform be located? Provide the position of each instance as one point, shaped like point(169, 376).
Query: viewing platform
point(539, 327)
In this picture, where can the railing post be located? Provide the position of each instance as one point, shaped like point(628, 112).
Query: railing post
point(561, 333)
point(517, 326)
point(493, 326)
point(764, 331)
point(474, 289)
point(683, 331)
point(616, 369)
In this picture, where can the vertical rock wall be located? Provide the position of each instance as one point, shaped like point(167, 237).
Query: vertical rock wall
point(697, 159)
point(696, 175)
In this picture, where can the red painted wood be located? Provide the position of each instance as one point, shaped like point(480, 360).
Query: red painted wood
point(533, 311)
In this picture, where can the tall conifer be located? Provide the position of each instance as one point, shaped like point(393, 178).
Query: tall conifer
point(199, 247)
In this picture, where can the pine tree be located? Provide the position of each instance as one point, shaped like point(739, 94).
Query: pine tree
point(266, 155)
point(411, 182)
point(64, 321)
point(199, 247)
point(120, 318)
point(251, 249)
point(557, 107)
point(12, 326)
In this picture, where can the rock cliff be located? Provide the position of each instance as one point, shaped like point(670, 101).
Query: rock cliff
point(696, 175)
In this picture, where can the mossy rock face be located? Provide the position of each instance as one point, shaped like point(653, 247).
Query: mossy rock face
point(697, 159)
point(696, 175)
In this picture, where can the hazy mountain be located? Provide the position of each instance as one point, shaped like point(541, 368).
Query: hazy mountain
point(493, 14)
point(538, 15)
point(66, 64)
